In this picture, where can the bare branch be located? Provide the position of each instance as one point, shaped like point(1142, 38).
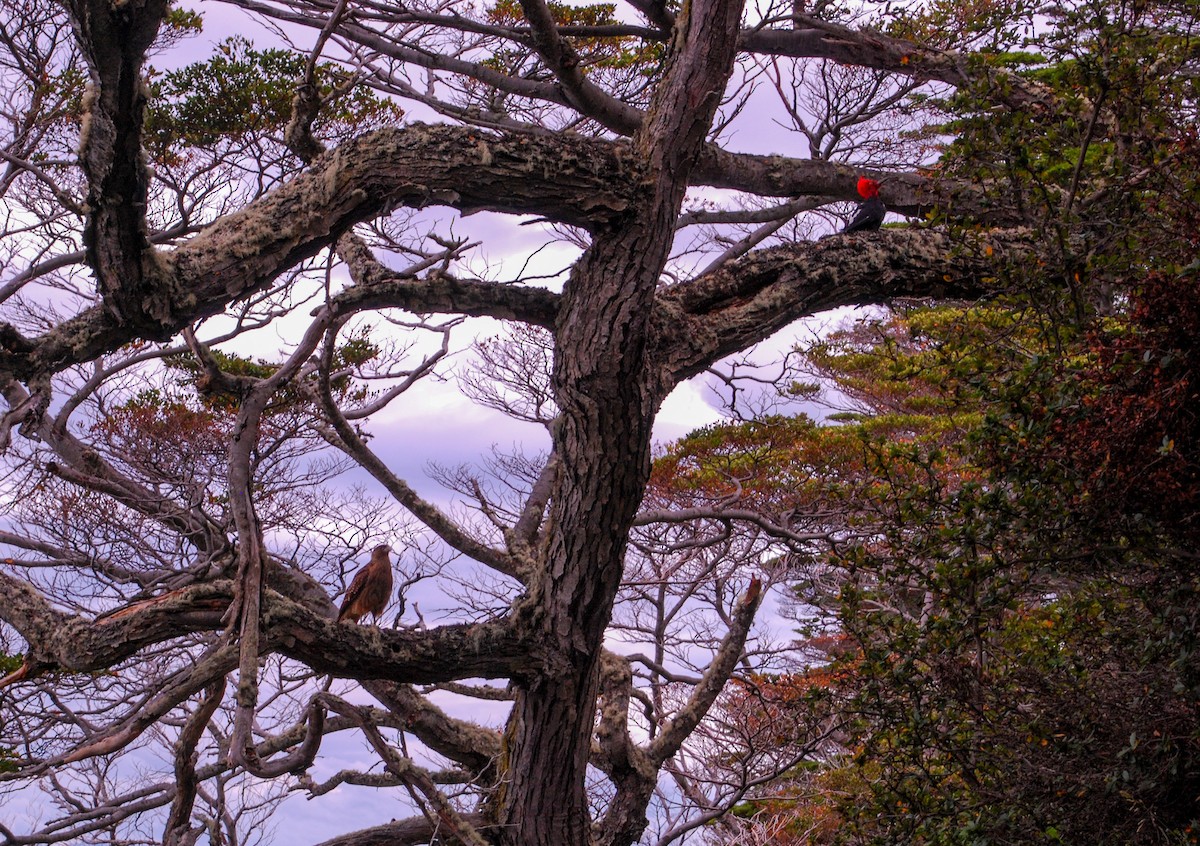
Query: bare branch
point(562, 59)
point(405, 770)
point(431, 516)
point(673, 734)
point(178, 831)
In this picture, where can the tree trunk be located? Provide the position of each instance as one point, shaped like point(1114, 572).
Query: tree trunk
point(607, 395)
point(602, 437)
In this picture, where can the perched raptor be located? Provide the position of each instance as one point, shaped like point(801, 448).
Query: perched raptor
point(370, 589)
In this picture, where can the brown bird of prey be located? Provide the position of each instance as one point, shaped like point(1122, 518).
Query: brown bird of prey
point(370, 589)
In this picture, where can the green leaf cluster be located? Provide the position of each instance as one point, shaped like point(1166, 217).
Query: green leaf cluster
point(356, 351)
point(1007, 652)
point(242, 93)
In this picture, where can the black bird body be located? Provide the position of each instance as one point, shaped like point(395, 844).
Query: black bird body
point(870, 214)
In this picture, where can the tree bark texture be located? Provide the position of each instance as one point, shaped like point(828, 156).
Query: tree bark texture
point(607, 398)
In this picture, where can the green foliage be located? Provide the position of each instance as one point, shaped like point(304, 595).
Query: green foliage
point(182, 22)
point(1008, 646)
point(8, 663)
point(1115, 428)
point(1015, 592)
point(238, 90)
point(1087, 150)
point(242, 93)
point(356, 351)
point(1000, 691)
point(178, 25)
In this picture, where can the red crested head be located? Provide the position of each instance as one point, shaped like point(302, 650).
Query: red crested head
point(867, 187)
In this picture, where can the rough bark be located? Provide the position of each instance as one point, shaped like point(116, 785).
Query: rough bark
point(579, 181)
point(607, 397)
point(72, 643)
point(411, 832)
point(114, 38)
point(753, 298)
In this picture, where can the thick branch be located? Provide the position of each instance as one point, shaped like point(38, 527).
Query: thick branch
point(628, 766)
point(73, 643)
point(567, 178)
point(440, 808)
point(562, 59)
point(115, 38)
point(251, 554)
point(409, 832)
point(751, 299)
point(614, 751)
point(913, 193)
point(447, 653)
point(687, 515)
point(177, 830)
point(681, 112)
point(820, 39)
point(463, 742)
point(524, 531)
point(378, 286)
